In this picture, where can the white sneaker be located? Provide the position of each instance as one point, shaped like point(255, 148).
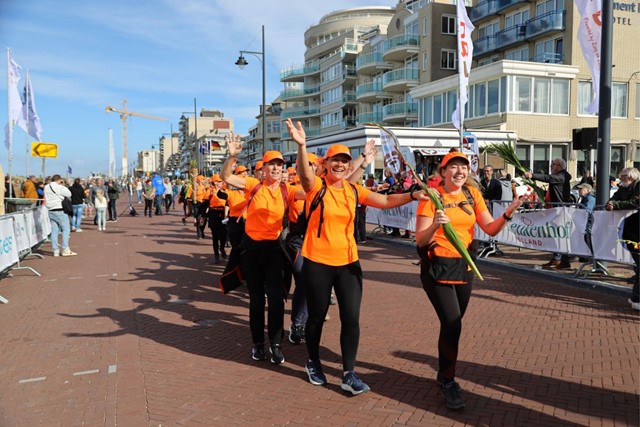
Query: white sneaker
point(73, 229)
point(78, 230)
point(634, 305)
point(68, 252)
point(56, 253)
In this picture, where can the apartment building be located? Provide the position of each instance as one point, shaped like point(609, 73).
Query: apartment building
point(529, 76)
point(255, 145)
point(202, 140)
point(321, 94)
point(169, 152)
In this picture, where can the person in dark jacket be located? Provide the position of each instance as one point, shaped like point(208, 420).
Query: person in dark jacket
point(113, 191)
point(77, 200)
point(559, 191)
point(490, 187)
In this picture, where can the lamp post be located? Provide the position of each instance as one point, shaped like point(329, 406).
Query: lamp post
point(241, 62)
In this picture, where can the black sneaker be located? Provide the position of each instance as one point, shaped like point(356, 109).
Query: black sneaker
point(217, 261)
point(257, 352)
point(313, 368)
point(451, 391)
point(277, 358)
point(353, 384)
point(296, 334)
point(224, 254)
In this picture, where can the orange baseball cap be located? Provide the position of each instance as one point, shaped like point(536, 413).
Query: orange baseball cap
point(291, 170)
point(272, 155)
point(258, 165)
point(336, 149)
point(199, 178)
point(239, 169)
point(216, 177)
point(313, 158)
point(453, 155)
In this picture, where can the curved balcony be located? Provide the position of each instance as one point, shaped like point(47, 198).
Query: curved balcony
point(510, 36)
point(290, 94)
point(482, 10)
point(373, 117)
point(400, 111)
point(544, 24)
point(370, 63)
point(349, 97)
point(298, 74)
point(399, 47)
point(484, 45)
point(400, 79)
point(368, 92)
point(300, 112)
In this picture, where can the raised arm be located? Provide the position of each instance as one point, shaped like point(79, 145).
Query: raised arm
point(234, 148)
point(387, 201)
point(360, 164)
point(305, 173)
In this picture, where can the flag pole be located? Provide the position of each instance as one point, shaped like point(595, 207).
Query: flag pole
point(461, 130)
point(26, 130)
point(9, 121)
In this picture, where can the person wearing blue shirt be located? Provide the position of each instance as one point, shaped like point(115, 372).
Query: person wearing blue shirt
point(158, 185)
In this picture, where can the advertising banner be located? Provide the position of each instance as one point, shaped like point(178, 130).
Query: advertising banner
point(8, 248)
point(607, 230)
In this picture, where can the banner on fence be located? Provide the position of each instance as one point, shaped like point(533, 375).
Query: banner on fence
point(403, 217)
point(42, 224)
point(607, 230)
point(20, 231)
point(8, 248)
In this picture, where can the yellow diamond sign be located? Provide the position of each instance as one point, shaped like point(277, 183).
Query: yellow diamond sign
point(44, 149)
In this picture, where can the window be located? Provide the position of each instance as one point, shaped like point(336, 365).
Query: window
point(425, 62)
point(412, 28)
point(523, 94)
point(541, 97)
point(479, 100)
point(448, 59)
point(437, 109)
point(448, 24)
point(517, 18)
point(521, 54)
point(427, 111)
point(549, 51)
point(425, 27)
point(585, 96)
point(452, 98)
point(488, 30)
point(493, 97)
point(619, 100)
point(488, 61)
point(559, 96)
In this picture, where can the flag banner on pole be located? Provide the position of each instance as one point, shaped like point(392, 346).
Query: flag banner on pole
point(69, 170)
point(35, 128)
point(589, 37)
point(389, 153)
point(16, 112)
point(204, 147)
point(465, 56)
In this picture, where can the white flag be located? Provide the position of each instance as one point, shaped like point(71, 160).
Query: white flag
point(34, 128)
point(589, 37)
point(16, 112)
point(389, 154)
point(465, 56)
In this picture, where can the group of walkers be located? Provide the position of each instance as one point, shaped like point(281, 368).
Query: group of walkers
point(305, 228)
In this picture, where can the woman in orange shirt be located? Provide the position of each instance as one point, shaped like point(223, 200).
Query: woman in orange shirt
point(217, 212)
point(263, 258)
point(331, 254)
point(445, 276)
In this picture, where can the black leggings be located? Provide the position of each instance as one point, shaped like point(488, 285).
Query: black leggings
point(347, 283)
point(262, 266)
point(450, 303)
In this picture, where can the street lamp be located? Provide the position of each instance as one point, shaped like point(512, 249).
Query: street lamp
point(242, 62)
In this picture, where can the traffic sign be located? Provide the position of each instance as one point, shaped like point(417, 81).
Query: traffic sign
point(44, 149)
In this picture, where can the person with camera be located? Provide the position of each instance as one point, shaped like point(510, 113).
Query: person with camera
point(54, 194)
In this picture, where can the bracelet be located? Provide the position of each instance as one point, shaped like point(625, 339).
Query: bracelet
point(364, 156)
point(411, 194)
point(363, 166)
point(506, 217)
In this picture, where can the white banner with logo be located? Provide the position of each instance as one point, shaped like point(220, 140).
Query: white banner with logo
point(32, 226)
point(20, 231)
point(42, 224)
point(606, 233)
point(403, 217)
point(8, 248)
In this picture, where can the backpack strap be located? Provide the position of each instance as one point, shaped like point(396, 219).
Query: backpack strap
point(317, 200)
point(470, 201)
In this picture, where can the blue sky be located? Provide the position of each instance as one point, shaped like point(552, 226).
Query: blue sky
point(158, 54)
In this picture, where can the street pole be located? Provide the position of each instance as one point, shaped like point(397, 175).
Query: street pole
point(604, 105)
point(264, 99)
point(195, 126)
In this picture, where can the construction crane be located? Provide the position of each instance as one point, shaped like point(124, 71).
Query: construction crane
point(124, 114)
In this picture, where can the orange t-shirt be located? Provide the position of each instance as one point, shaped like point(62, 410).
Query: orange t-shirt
point(336, 245)
point(461, 221)
point(215, 202)
point(297, 205)
point(236, 201)
point(266, 210)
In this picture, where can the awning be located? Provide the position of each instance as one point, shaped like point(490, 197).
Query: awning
point(439, 151)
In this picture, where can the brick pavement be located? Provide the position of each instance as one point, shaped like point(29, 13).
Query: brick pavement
point(134, 332)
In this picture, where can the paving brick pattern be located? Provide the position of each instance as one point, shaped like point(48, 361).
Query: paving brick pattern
point(134, 332)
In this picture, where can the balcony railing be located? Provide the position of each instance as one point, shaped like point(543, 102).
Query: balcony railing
point(400, 109)
point(483, 9)
point(400, 74)
point(509, 36)
point(349, 96)
point(373, 117)
point(484, 45)
point(548, 57)
point(369, 59)
point(402, 40)
point(550, 21)
point(300, 71)
point(374, 87)
point(292, 93)
point(299, 112)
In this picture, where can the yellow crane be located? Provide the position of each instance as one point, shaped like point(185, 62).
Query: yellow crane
point(124, 114)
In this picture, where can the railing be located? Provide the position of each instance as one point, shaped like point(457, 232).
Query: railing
point(400, 108)
point(400, 74)
point(373, 87)
point(402, 40)
point(548, 57)
point(349, 96)
point(550, 21)
point(299, 112)
point(483, 9)
point(375, 117)
point(300, 71)
point(292, 93)
point(484, 45)
point(369, 59)
point(509, 36)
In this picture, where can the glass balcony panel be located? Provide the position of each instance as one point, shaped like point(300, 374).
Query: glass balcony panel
point(482, 10)
point(551, 21)
point(375, 117)
point(484, 45)
point(548, 57)
point(511, 35)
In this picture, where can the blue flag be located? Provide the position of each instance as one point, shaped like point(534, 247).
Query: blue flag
point(69, 170)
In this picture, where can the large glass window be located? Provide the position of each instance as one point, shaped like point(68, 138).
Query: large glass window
point(523, 94)
point(437, 109)
point(585, 96)
point(451, 105)
point(449, 59)
point(521, 54)
point(524, 154)
point(541, 159)
point(517, 18)
point(541, 98)
point(560, 96)
point(619, 100)
point(427, 111)
point(493, 97)
point(480, 100)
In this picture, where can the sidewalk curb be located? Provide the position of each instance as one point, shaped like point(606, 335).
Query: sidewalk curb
point(594, 285)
